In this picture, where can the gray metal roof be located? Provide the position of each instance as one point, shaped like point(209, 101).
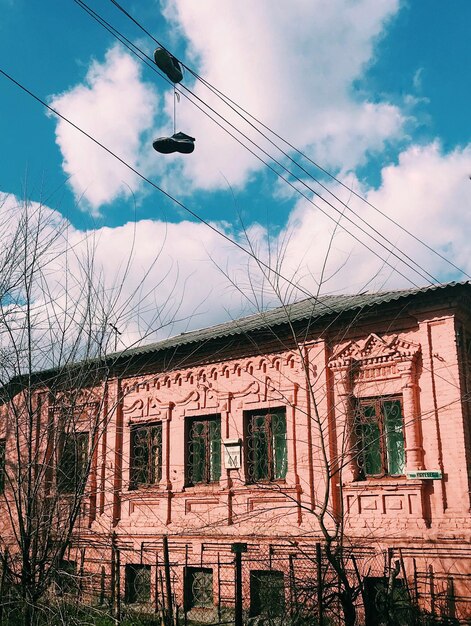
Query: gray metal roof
point(310, 309)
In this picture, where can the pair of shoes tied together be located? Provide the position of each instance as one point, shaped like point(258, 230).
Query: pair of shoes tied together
point(168, 64)
point(179, 142)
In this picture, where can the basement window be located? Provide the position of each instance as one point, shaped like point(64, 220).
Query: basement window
point(267, 593)
point(379, 599)
point(66, 577)
point(137, 583)
point(198, 587)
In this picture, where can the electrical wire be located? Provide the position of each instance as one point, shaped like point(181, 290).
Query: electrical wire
point(198, 217)
point(145, 58)
point(393, 250)
point(160, 189)
point(251, 254)
point(227, 100)
point(149, 62)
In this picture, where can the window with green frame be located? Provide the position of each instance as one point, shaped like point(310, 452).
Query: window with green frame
point(266, 450)
point(73, 462)
point(2, 465)
point(379, 434)
point(146, 455)
point(203, 458)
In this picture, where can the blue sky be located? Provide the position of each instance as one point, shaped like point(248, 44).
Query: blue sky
point(376, 91)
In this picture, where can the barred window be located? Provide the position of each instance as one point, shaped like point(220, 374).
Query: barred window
point(267, 593)
point(66, 577)
point(266, 445)
point(203, 462)
point(198, 587)
point(2, 465)
point(378, 596)
point(137, 583)
point(146, 455)
point(379, 435)
point(73, 462)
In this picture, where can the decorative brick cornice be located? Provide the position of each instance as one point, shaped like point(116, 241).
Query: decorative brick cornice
point(374, 350)
point(209, 387)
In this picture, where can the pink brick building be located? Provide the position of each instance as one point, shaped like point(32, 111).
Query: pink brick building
point(351, 412)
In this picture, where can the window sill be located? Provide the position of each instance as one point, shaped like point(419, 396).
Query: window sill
point(203, 488)
point(144, 488)
point(69, 495)
point(383, 482)
point(263, 483)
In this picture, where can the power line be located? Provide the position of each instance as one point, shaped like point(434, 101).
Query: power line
point(168, 195)
point(158, 188)
point(323, 170)
point(134, 49)
point(227, 100)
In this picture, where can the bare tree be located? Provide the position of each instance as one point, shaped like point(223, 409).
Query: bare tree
point(339, 582)
point(57, 330)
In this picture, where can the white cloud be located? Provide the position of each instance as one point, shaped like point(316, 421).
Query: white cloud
point(151, 279)
point(428, 192)
point(116, 107)
point(417, 79)
point(165, 278)
point(293, 66)
point(174, 276)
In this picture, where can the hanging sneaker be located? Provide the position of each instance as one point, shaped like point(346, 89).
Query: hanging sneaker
point(179, 142)
point(168, 64)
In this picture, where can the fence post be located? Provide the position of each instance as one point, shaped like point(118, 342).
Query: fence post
point(416, 583)
point(156, 590)
point(450, 598)
point(168, 582)
point(320, 608)
point(219, 589)
point(432, 591)
point(113, 574)
point(2, 582)
point(118, 585)
point(238, 549)
point(292, 590)
point(163, 610)
point(185, 591)
point(81, 574)
point(102, 585)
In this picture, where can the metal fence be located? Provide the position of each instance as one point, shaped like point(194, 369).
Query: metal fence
point(182, 581)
